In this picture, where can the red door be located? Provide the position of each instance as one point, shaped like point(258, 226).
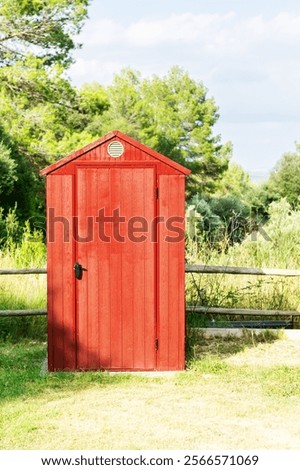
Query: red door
point(116, 294)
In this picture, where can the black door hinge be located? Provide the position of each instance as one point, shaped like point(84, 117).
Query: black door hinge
point(156, 344)
point(156, 193)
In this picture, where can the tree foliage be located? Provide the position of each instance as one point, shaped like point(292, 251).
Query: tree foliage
point(222, 221)
point(236, 182)
point(285, 179)
point(43, 116)
point(45, 27)
point(7, 170)
point(37, 104)
point(173, 115)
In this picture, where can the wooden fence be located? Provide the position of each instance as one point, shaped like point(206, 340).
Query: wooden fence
point(22, 313)
point(238, 270)
point(196, 269)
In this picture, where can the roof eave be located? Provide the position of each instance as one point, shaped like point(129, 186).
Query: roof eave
point(78, 153)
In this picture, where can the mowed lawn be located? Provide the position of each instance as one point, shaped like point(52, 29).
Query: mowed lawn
point(235, 394)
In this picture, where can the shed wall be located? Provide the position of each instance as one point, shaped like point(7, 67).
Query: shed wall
point(60, 274)
point(63, 350)
point(171, 275)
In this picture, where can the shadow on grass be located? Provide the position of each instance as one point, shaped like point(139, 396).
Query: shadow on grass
point(22, 373)
point(14, 329)
point(199, 346)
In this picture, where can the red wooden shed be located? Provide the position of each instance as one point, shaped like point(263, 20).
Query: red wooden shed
point(115, 238)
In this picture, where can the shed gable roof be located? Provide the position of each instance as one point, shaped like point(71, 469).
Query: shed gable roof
point(87, 148)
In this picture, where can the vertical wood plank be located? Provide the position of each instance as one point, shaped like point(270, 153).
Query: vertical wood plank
point(181, 277)
point(104, 280)
point(81, 284)
point(163, 273)
point(92, 273)
point(68, 296)
point(149, 254)
point(116, 276)
point(171, 353)
point(139, 305)
point(127, 275)
point(61, 325)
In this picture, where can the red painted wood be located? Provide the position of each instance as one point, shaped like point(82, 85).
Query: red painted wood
point(61, 324)
point(86, 153)
point(133, 291)
point(171, 327)
point(116, 299)
point(89, 159)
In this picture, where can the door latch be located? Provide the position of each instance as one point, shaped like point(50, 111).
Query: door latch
point(78, 270)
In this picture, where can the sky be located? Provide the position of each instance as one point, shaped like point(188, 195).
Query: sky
point(245, 52)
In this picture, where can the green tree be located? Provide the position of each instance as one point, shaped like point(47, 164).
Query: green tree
point(44, 114)
point(285, 179)
point(173, 115)
point(235, 182)
point(7, 170)
point(45, 26)
point(18, 181)
point(43, 118)
point(221, 220)
point(38, 107)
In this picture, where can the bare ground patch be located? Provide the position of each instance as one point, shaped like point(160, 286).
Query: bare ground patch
point(283, 352)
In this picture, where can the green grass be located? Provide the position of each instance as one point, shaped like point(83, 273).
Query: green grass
point(236, 393)
point(21, 292)
point(233, 390)
point(243, 291)
point(279, 250)
point(22, 372)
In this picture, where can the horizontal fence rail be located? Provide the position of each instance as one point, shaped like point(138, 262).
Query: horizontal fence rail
point(194, 269)
point(206, 269)
point(240, 311)
point(22, 313)
point(24, 271)
point(241, 270)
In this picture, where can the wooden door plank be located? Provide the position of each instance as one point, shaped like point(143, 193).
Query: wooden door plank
point(81, 284)
point(104, 280)
point(128, 271)
point(149, 258)
point(115, 275)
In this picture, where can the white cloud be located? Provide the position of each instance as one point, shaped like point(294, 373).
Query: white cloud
point(284, 27)
point(217, 34)
point(102, 32)
point(255, 33)
point(249, 62)
point(187, 28)
point(89, 70)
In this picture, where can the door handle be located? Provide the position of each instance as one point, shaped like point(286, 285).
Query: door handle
point(78, 270)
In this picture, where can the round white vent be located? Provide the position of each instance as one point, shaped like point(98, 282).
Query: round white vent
point(115, 149)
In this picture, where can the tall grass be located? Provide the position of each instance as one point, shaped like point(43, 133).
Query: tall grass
point(21, 292)
point(276, 245)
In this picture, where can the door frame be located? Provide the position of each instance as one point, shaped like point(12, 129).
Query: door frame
point(121, 165)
